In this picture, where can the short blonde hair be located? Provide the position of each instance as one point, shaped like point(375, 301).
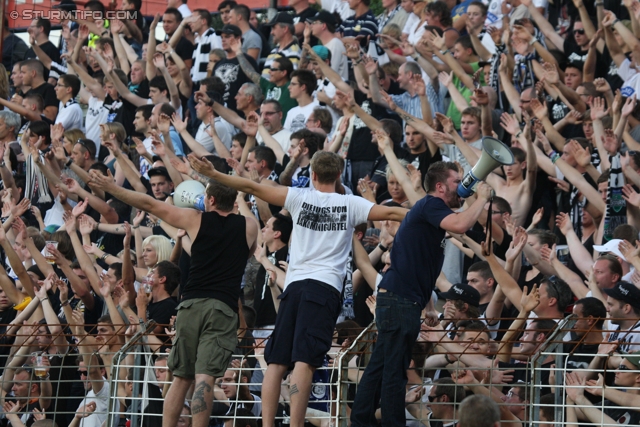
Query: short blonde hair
point(327, 166)
point(161, 244)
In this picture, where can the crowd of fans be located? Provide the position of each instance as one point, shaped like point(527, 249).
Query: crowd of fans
point(97, 133)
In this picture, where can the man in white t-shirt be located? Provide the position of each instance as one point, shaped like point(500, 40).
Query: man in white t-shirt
point(324, 222)
point(271, 117)
point(69, 111)
point(97, 400)
point(303, 84)
point(323, 26)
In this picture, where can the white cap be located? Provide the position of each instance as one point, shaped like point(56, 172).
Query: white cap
point(611, 246)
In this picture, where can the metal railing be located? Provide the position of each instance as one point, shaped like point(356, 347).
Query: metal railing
point(339, 382)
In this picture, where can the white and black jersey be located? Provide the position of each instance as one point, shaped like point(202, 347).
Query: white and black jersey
point(205, 44)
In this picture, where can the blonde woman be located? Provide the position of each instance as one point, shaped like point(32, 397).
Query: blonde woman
point(152, 250)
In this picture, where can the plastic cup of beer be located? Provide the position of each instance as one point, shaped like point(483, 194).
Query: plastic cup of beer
point(147, 287)
point(48, 255)
point(39, 367)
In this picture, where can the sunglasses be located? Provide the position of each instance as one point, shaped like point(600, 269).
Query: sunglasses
point(579, 31)
point(624, 368)
point(82, 373)
point(86, 143)
point(433, 398)
point(275, 69)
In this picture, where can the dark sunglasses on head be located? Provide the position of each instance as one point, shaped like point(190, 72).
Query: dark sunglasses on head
point(86, 143)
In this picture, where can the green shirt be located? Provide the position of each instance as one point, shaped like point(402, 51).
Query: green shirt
point(278, 93)
point(453, 112)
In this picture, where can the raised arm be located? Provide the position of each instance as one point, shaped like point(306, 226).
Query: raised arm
point(246, 66)
point(186, 219)
point(273, 195)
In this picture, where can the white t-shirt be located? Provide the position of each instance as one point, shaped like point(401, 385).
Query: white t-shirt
point(184, 10)
point(411, 22)
point(96, 115)
point(70, 115)
point(322, 232)
point(339, 6)
point(101, 399)
point(283, 137)
point(297, 116)
point(338, 58)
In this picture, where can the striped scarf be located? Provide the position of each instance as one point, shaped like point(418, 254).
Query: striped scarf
point(616, 212)
point(36, 182)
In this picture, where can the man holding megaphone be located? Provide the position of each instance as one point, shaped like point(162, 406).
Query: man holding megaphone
point(405, 290)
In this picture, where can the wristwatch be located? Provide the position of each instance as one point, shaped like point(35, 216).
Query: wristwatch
point(68, 164)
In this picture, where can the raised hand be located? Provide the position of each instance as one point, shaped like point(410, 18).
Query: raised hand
point(69, 222)
point(509, 123)
point(445, 78)
point(202, 166)
point(446, 122)
point(19, 209)
point(179, 124)
point(563, 222)
point(628, 250)
point(137, 220)
point(598, 109)
point(551, 74)
point(539, 109)
point(181, 165)
point(531, 300)
point(80, 208)
point(628, 106)
point(164, 123)
point(370, 65)
point(250, 126)
point(85, 226)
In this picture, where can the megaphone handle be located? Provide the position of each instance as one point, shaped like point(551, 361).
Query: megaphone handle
point(489, 223)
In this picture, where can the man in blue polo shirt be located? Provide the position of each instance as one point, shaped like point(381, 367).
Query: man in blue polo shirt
point(416, 261)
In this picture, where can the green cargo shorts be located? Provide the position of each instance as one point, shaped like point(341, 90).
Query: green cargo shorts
point(206, 336)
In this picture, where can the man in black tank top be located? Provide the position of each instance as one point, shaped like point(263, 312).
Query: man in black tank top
point(207, 320)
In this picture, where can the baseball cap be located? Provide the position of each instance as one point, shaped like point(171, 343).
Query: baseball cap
point(51, 228)
point(611, 246)
point(633, 358)
point(463, 292)
point(322, 52)
point(159, 171)
point(230, 29)
point(324, 16)
point(625, 292)
point(281, 18)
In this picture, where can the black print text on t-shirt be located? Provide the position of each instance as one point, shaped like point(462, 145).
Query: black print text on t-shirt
point(332, 218)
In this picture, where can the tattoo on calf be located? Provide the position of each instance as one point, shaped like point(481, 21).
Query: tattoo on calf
point(293, 389)
point(199, 403)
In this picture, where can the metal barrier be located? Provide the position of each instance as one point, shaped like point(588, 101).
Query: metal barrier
point(334, 392)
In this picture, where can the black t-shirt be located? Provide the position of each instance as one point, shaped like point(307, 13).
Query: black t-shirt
point(52, 52)
point(162, 311)
point(394, 88)
point(129, 110)
point(301, 18)
point(184, 48)
point(576, 359)
point(13, 50)
point(621, 415)
point(576, 55)
point(423, 160)
point(262, 300)
point(229, 71)
point(361, 148)
point(48, 94)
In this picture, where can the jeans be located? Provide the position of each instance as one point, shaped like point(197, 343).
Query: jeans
point(385, 378)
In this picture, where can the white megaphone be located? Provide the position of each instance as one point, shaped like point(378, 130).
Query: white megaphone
point(189, 194)
point(494, 154)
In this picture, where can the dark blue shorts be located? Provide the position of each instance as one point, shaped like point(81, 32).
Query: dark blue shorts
point(305, 323)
